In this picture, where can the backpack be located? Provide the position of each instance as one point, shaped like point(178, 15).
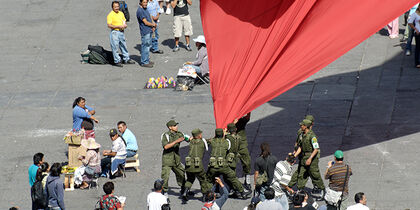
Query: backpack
point(38, 194)
point(124, 9)
point(97, 55)
point(207, 206)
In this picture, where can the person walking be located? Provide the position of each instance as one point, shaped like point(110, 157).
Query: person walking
point(393, 28)
point(194, 164)
point(338, 175)
point(155, 199)
point(264, 170)
point(171, 160)
point(154, 10)
point(146, 25)
point(55, 188)
point(281, 178)
point(117, 23)
point(244, 155)
point(182, 21)
point(414, 23)
point(218, 164)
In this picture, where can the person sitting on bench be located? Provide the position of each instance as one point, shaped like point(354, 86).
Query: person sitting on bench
point(116, 156)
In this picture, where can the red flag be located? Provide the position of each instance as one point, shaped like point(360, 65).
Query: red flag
point(259, 49)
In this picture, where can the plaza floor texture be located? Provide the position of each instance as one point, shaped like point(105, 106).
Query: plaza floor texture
point(365, 103)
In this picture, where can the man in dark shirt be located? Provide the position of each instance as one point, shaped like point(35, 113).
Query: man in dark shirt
point(146, 25)
point(182, 20)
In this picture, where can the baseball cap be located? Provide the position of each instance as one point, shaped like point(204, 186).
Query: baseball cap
point(196, 131)
point(113, 132)
point(338, 154)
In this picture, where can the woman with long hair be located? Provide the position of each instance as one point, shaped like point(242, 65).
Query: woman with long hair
point(83, 116)
point(264, 168)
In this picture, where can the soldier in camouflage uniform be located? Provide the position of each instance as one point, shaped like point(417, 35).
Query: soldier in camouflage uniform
point(308, 165)
point(218, 164)
point(194, 164)
point(244, 156)
point(171, 160)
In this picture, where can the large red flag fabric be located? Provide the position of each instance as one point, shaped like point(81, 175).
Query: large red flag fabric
point(260, 49)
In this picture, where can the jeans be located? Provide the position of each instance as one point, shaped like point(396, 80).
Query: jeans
point(107, 164)
point(130, 153)
point(283, 201)
point(409, 39)
point(155, 42)
point(261, 193)
point(117, 40)
point(146, 43)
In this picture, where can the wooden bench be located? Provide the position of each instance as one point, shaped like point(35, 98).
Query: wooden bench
point(133, 162)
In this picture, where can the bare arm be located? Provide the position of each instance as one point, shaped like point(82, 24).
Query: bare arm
point(256, 173)
point(173, 3)
point(155, 18)
point(147, 23)
point(94, 119)
point(170, 145)
point(189, 2)
point(298, 151)
point(113, 27)
point(309, 161)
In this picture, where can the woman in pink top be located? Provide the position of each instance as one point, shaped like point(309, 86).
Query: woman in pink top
point(92, 161)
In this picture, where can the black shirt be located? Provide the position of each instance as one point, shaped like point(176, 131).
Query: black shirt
point(269, 164)
point(181, 8)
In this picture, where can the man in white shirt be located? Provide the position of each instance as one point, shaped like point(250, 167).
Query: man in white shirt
point(282, 175)
point(116, 156)
point(360, 200)
point(156, 199)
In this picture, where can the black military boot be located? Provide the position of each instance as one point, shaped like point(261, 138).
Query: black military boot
point(185, 195)
point(245, 194)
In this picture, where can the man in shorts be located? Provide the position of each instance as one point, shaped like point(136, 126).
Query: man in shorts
point(182, 20)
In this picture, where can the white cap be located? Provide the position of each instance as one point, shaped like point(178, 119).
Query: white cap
point(200, 39)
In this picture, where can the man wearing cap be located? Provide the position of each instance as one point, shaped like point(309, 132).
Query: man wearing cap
point(201, 64)
point(156, 199)
point(294, 179)
point(170, 158)
point(116, 156)
point(194, 164)
point(218, 164)
point(338, 173)
point(244, 156)
point(308, 148)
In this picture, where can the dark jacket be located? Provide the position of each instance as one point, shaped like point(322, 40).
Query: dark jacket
point(55, 190)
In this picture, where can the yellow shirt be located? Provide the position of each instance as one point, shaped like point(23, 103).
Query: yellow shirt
point(116, 19)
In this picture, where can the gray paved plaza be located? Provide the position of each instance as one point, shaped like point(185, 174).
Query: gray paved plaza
point(365, 103)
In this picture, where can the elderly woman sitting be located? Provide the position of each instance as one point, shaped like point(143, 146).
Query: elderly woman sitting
point(201, 64)
point(92, 161)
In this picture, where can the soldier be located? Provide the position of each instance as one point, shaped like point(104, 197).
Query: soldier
point(194, 164)
point(294, 178)
point(244, 156)
point(234, 140)
point(308, 147)
point(170, 157)
point(219, 166)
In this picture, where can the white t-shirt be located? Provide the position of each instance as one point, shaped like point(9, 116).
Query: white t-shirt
point(415, 18)
point(155, 200)
point(358, 206)
point(118, 146)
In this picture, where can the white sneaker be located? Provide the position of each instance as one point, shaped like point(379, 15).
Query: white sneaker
point(168, 11)
point(161, 10)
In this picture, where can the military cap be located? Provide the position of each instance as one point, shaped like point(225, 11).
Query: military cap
point(338, 154)
point(219, 132)
point(113, 132)
point(231, 126)
point(306, 123)
point(310, 117)
point(196, 132)
point(171, 123)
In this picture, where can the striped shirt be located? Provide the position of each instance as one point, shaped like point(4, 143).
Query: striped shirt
point(336, 174)
point(282, 175)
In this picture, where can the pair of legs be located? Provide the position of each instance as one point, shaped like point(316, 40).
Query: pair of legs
point(179, 174)
point(182, 23)
point(417, 52)
point(393, 29)
point(110, 166)
point(117, 41)
point(146, 43)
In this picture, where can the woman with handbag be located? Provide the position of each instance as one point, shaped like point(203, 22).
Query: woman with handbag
point(92, 161)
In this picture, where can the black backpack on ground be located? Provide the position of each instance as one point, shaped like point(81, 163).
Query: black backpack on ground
point(98, 55)
point(124, 9)
point(38, 195)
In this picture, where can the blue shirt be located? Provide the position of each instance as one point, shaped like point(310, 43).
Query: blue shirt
point(78, 115)
point(130, 139)
point(32, 174)
point(153, 8)
point(141, 14)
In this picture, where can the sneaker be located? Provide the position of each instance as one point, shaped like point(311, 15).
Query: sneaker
point(130, 61)
point(176, 49)
point(408, 53)
point(168, 11)
point(147, 65)
point(118, 64)
point(158, 52)
point(188, 48)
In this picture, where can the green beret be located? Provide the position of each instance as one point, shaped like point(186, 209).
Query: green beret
point(196, 132)
point(306, 123)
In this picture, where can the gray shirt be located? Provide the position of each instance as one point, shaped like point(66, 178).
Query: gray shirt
point(202, 60)
point(269, 205)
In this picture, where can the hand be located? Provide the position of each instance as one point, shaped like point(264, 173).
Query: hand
point(291, 191)
point(219, 181)
point(329, 164)
point(81, 157)
point(97, 121)
point(235, 121)
point(181, 139)
point(308, 162)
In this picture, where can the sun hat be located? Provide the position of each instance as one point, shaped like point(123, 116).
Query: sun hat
point(90, 143)
point(200, 39)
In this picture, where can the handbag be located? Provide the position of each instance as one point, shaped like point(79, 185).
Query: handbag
point(73, 139)
point(261, 179)
point(333, 197)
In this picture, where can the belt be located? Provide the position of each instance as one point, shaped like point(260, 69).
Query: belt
point(132, 150)
point(119, 31)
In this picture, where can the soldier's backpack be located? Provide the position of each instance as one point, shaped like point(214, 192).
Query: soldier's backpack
point(38, 194)
point(124, 9)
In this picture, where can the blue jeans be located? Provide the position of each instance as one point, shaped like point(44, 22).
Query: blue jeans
point(117, 40)
point(146, 43)
point(130, 153)
point(283, 201)
point(409, 39)
point(197, 69)
point(155, 42)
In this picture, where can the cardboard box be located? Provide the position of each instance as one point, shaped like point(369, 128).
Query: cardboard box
point(74, 152)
